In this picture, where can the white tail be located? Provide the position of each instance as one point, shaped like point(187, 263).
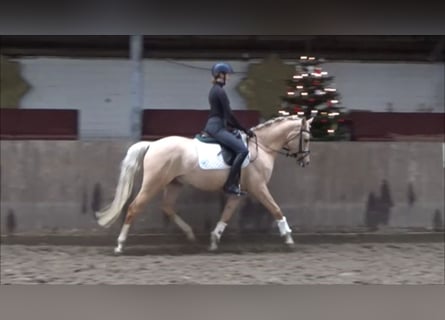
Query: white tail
point(130, 166)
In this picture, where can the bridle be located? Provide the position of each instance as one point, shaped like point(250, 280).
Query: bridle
point(300, 155)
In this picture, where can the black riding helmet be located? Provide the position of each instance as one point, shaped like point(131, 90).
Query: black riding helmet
point(221, 67)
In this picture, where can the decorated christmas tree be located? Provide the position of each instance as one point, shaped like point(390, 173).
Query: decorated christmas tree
point(310, 94)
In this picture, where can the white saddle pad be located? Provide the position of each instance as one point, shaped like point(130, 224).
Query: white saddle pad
point(210, 156)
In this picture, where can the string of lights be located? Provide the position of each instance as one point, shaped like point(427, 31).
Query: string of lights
point(190, 66)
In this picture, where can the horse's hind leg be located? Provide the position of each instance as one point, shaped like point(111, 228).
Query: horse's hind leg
point(142, 198)
point(229, 209)
point(171, 193)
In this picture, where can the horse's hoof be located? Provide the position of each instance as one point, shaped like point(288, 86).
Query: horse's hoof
point(213, 247)
point(213, 242)
point(117, 251)
point(289, 246)
point(191, 238)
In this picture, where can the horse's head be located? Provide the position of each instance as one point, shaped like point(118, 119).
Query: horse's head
point(289, 133)
point(298, 141)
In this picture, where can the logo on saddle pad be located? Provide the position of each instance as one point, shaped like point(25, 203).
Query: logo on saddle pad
point(213, 156)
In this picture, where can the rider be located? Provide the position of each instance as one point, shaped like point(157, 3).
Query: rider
point(222, 121)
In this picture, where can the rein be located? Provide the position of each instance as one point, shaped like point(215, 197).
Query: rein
point(302, 153)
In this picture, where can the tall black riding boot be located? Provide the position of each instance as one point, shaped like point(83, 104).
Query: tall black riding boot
point(232, 184)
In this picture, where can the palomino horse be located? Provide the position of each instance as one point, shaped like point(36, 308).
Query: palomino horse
point(171, 162)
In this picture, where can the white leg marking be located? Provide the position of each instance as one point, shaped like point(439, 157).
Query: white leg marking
point(122, 237)
point(285, 231)
point(283, 226)
point(216, 234)
point(219, 229)
point(184, 226)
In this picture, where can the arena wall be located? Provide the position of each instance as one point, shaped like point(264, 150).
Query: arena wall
point(55, 186)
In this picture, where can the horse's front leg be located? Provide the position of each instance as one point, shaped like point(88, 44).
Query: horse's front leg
point(229, 209)
point(261, 192)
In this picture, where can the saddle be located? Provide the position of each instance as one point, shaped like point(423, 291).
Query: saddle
point(227, 154)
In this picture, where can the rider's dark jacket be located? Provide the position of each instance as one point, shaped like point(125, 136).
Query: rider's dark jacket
point(220, 107)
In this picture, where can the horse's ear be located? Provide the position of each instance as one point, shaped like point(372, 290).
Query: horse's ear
point(310, 120)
